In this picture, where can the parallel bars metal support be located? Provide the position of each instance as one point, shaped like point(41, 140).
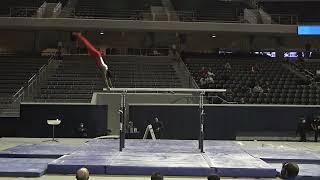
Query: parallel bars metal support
point(122, 111)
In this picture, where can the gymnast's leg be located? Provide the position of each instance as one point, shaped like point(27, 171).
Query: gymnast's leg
point(106, 75)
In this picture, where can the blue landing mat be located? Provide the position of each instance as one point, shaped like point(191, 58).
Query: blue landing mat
point(173, 164)
point(170, 157)
point(69, 164)
point(284, 153)
point(103, 141)
point(305, 170)
point(23, 167)
point(162, 146)
point(95, 155)
point(234, 162)
point(87, 150)
point(39, 151)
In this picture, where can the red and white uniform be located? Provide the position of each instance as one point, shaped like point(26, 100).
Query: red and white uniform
point(92, 51)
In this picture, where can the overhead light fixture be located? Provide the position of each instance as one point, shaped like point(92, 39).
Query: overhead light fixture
point(213, 36)
point(101, 33)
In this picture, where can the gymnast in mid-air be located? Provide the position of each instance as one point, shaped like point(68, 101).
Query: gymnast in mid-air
point(106, 75)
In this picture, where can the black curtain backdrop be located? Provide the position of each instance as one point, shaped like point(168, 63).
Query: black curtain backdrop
point(182, 122)
point(33, 121)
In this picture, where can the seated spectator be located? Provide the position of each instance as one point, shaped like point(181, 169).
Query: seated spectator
point(203, 82)
point(203, 72)
point(244, 89)
point(156, 176)
point(82, 174)
point(227, 66)
point(251, 84)
point(257, 89)
point(255, 68)
point(266, 87)
point(209, 80)
point(213, 177)
point(289, 170)
point(210, 73)
point(242, 101)
point(317, 77)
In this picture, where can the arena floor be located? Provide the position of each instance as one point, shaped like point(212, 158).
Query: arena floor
point(6, 143)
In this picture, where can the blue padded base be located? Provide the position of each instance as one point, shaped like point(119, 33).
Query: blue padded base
point(143, 157)
point(284, 154)
point(24, 167)
point(168, 171)
point(170, 164)
point(51, 151)
point(69, 164)
point(229, 160)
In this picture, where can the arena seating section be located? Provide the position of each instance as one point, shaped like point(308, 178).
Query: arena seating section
point(108, 9)
point(14, 74)
point(73, 81)
point(77, 78)
point(307, 12)
point(208, 10)
point(148, 74)
point(285, 87)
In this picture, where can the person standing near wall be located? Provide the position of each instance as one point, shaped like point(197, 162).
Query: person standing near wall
point(157, 126)
point(59, 51)
point(302, 129)
point(315, 125)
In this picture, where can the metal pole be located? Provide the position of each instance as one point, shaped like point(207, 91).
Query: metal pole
point(121, 123)
point(52, 132)
point(122, 120)
point(201, 113)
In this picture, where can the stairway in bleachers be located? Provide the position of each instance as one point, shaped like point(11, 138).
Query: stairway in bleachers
point(74, 80)
point(312, 66)
point(14, 74)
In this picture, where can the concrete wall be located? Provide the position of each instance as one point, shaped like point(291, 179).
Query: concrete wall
point(28, 41)
point(129, 25)
point(17, 40)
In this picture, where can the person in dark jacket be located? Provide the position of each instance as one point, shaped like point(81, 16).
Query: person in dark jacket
point(315, 126)
point(157, 126)
point(302, 129)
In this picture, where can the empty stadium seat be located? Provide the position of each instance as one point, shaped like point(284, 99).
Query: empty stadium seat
point(280, 85)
